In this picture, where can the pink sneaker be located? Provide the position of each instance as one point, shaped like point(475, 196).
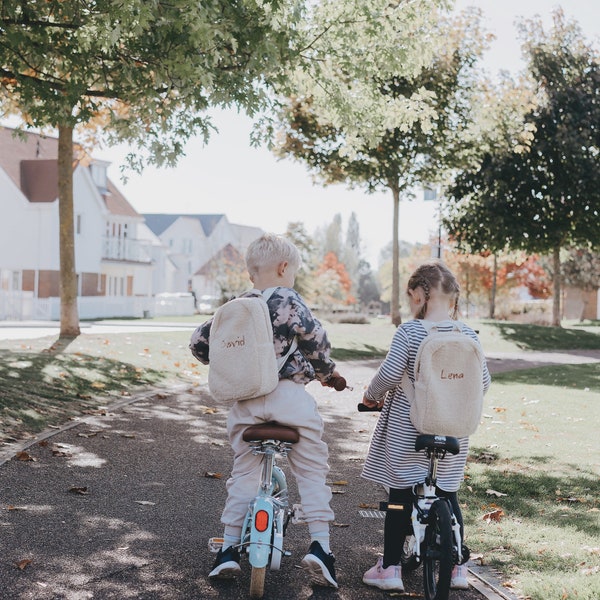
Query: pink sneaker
point(384, 579)
point(459, 578)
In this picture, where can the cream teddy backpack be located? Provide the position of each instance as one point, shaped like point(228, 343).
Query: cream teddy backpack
point(241, 355)
point(447, 397)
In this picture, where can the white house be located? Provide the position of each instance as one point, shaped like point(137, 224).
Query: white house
point(127, 264)
point(114, 263)
point(200, 244)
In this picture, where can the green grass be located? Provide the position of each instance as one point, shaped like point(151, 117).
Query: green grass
point(536, 458)
point(538, 449)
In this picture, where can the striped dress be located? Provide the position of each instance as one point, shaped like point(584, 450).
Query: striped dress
point(392, 460)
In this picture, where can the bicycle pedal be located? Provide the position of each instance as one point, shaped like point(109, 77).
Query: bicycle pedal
point(215, 544)
point(298, 515)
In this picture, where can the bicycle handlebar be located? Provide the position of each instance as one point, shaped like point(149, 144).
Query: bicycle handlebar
point(364, 408)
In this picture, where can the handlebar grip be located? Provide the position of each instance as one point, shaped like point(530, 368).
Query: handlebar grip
point(364, 408)
point(337, 383)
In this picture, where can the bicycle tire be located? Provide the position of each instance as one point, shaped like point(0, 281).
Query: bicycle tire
point(437, 559)
point(257, 582)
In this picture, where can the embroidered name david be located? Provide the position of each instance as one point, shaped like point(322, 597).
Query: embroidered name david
point(234, 343)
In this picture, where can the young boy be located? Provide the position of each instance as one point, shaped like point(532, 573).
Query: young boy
point(272, 261)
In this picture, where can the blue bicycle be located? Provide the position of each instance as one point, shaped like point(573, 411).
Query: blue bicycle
point(269, 512)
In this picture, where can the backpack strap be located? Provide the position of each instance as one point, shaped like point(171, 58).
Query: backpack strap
point(266, 294)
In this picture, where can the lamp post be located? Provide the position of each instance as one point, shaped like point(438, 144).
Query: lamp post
point(430, 193)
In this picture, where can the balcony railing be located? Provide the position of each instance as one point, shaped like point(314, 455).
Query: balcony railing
point(126, 249)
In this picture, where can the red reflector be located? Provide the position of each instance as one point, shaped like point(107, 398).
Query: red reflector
point(261, 520)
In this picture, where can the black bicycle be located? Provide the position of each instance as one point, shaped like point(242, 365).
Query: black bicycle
point(435, 541)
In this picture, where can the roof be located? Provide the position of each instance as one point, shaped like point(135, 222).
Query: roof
point(24, 146)
point(117, 204)
point(31, 161)
point(39, 179)
point(160, 222)
point(228, 255)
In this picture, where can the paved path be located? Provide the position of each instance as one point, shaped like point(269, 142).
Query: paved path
point(121, 504)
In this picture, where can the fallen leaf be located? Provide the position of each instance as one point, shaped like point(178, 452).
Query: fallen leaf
point(24, 456)
point(211, 475)
point(494, 515)
point(340, 483)
point(98, 385)
point(82, 491)
point(61, 453)
point(23, 564)
point(370, 506)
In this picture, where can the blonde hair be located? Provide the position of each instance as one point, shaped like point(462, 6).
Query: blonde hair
point(431, 275)
point(270, 250)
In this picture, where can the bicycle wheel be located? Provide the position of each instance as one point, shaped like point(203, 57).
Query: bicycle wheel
point(437, 559)
point(257, 582)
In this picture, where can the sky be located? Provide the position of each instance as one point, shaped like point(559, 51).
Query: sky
point(251, 187)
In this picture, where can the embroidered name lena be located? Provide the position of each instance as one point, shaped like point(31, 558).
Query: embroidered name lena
point(445, 375)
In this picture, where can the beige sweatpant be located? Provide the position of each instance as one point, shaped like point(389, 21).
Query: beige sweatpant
point(289, 404)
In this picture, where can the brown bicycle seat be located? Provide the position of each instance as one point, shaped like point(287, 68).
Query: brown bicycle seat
point(270, 431)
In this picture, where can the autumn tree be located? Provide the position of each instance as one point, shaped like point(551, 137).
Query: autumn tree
point(410, 145)
point(542, 192)
point(333, 283)
point(137, 70)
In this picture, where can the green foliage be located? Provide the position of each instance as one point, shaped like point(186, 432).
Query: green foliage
point(541, 193)
point(409, 151)
point(142, 70)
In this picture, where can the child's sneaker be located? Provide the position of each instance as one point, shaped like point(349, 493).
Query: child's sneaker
point(320, 566)
point(459, 578)
point(385, 579)
point(227, 564)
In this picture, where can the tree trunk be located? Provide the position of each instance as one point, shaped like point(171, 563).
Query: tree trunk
point(494, 288)
point(69, 316)
point(557, 288)
point(395, 300)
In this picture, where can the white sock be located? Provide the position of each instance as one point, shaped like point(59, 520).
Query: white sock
point(319, 532)
point(232, 536)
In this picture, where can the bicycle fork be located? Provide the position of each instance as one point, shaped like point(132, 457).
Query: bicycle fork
point(268, 511)
point(419, 519)
point(262, 515)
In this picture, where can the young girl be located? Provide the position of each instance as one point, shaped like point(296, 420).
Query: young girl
point(433, 294)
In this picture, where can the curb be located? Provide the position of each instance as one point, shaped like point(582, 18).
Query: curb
point(9, 452)
point(481, 580)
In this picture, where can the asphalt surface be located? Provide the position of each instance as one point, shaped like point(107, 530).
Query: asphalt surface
point(121, 504)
